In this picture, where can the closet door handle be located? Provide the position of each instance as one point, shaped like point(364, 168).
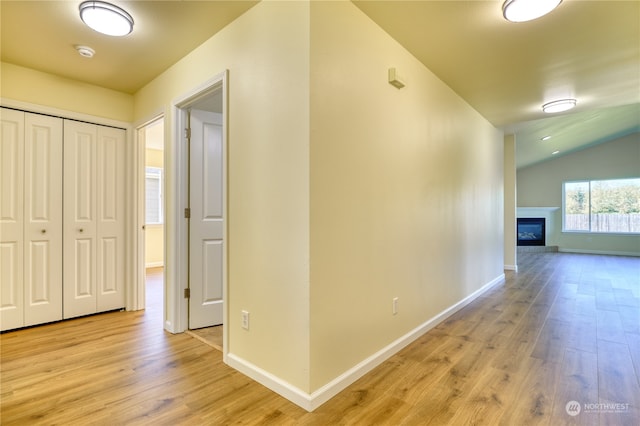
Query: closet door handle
point(81, 230)
point(44, 231)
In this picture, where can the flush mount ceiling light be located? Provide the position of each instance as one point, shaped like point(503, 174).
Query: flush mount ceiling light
point(106, 18)
point(545, 138)
point(527, 10)
point(559, 105)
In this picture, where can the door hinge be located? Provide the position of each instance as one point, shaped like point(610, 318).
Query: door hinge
point(187, 293)
point(187, 133)
point(187, 213)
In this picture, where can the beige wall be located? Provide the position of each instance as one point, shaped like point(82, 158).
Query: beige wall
point(406, 193)
point(540, 185)
point(154, 246)
point(154, 234)
point(266, 51)
point(154, 158)
point(400, 195)
point(35, 87)
point(510, 203)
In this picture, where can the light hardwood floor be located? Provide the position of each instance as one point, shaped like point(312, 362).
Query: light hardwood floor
point(211, 336)
point(565, 328)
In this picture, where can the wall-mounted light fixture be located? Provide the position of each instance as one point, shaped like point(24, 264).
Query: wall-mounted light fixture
point(527, 10)
point(559, 105)
point(394, 79)
point(106, 18)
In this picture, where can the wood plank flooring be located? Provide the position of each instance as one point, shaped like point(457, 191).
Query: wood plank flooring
point(565, 328)
point(211, 336)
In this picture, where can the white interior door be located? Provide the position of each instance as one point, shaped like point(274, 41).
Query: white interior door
point(110, 203)
point(31, 219)
point(43, 219)
point(80, 225)
point(206, 245)
point(93, 218)
point(11, 219)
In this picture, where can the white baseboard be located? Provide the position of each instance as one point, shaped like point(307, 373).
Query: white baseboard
point(276, 384)
point(511, 268)
point(312, 401)
point(605, 252)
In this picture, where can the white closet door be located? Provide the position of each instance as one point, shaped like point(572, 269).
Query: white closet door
point(80, 225)
point(11, 218)
point(94, 223)
point(43, 219)
point(110, 218)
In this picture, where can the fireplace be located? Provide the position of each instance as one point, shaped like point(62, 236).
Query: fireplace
point(531, 231)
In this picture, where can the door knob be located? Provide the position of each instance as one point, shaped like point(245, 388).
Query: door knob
point(81, 230)
point(44, 231)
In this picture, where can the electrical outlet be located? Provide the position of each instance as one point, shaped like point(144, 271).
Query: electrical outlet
point(245, 320)
point(395, 305)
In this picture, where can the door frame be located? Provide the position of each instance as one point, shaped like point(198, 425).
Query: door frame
point(139, 292)
point(177, 193)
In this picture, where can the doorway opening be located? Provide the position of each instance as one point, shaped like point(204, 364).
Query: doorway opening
point(197, 256)
point(151, 137)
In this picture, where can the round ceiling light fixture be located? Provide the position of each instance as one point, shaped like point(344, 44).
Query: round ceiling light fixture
point(559, 105)
point(85, 51)
point(527, 10)
point(106, 18)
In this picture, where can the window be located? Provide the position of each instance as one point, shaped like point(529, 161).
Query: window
point(153, 187)
point(610, 206)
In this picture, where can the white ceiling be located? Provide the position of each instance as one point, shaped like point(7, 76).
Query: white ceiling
point(589, 50)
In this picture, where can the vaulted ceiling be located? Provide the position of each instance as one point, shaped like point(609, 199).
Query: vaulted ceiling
point(589, 50)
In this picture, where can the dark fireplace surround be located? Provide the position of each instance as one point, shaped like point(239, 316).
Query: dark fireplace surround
point(531, 231)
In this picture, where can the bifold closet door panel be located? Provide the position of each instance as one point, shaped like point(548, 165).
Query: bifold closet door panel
point(43, 219)
point(94, 218)
point(31, 219)
point(80, 224)
point(111, 218)
point(11, 219)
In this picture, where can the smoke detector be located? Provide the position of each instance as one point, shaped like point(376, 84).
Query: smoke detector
point(85, 51)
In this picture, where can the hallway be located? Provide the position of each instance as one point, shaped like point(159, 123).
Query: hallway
point(565, 328)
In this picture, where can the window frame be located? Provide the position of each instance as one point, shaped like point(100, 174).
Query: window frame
point(155, 173)
point(590, 231)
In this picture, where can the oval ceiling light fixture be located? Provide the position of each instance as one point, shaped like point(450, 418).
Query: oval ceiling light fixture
point(527, 10)
point(559, 105)
point(106, 18)
point(545, 138)
point(85, 51)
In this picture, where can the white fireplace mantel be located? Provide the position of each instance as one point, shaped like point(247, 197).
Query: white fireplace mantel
point(535, 211)
point(547, 213)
